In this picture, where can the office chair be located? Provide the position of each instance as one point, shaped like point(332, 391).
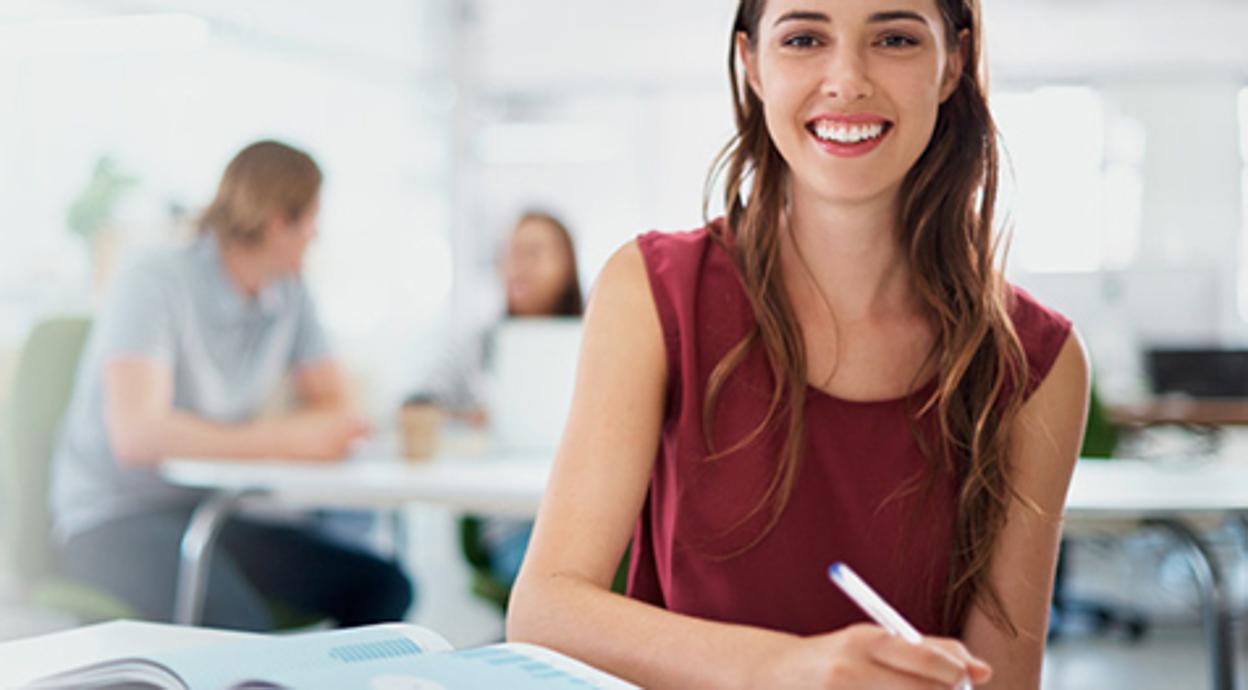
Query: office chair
point(42, 386)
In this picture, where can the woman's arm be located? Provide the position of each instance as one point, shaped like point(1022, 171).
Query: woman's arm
point(144, 427)
point(454, 380)
point(562, 598)
point(1047, 437)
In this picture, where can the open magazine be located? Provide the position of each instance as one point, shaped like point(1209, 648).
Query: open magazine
point(378, 657)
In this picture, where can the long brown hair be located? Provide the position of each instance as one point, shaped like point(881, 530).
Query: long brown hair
point(264, 179)
point(946, 228)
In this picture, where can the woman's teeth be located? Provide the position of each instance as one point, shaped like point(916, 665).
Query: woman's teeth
point(846, 134)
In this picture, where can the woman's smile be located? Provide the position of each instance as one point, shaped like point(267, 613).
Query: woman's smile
point(849, 136)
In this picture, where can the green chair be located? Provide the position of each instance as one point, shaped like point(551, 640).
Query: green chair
point(42, 385)
point(485, 585)
point(1100, 437)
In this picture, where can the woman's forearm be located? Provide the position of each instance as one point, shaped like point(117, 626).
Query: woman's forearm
point(636, 641)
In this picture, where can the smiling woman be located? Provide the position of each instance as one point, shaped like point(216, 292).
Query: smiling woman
point(814, 78)
point(834, 371)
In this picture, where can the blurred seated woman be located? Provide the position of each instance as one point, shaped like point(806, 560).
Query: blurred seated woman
point(539, 273)
point(182, 357)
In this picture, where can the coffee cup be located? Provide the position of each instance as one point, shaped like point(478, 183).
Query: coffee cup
point(420, 422)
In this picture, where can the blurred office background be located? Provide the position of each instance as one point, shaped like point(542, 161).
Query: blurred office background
point(1125, 124)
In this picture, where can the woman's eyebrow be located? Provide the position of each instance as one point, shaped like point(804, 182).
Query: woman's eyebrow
point(896, 15)
point(877, 18)
point(802, 16)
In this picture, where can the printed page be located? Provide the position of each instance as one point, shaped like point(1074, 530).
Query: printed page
point(511, 666)
point(273, 659)
point(384, 657)
point(566, 664)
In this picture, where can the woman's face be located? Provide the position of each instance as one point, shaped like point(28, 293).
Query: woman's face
point(536, 269)
point(851, 89)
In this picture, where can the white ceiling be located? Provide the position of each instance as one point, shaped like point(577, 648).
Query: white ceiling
point(383, 34)
point(586, 44)
point(1118, 37)
point(591, 44)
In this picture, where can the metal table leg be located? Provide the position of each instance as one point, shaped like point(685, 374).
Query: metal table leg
point(1214, 600)
point(196, 554)
point(400, 535)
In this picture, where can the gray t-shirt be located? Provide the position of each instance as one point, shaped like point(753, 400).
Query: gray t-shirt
point(227, 353)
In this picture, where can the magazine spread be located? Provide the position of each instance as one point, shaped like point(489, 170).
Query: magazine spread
point(379, 657)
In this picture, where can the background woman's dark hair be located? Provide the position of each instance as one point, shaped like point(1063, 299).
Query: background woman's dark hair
point(946, 226)
point(264, 179)
point(570, 302)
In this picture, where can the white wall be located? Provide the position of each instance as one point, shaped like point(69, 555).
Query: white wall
point(1182, 285)
point(364, 88)
point(606, 113)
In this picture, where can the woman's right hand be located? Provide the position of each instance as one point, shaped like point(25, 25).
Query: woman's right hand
point(867, 656)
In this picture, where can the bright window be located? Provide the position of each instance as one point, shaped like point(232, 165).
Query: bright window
point(1243, 243)
point(1072, 182)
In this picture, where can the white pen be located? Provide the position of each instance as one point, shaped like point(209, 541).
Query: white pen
point(874, 606)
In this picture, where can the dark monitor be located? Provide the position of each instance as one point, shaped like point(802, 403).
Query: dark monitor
point(1198, 372)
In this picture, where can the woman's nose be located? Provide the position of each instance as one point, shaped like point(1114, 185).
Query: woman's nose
point(846, 78)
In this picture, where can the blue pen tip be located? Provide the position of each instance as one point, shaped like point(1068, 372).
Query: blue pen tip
point(835, 569)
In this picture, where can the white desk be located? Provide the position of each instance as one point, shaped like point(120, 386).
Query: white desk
point(24, 661)
point(1146, 489)
point(1167, 496)
point(507, 484)
point(512, 484)
point(1155, 495)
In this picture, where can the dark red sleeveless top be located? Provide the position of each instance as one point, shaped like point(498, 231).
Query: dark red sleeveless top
point(863, 495)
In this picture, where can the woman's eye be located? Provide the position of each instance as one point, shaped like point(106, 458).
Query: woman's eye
point(801, 41)
point(897, 41)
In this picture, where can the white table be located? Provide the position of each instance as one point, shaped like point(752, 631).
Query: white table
point(1154, 494)
point(503, 484)
point(1144, 489)
point(24, 661)
point(1168, 496)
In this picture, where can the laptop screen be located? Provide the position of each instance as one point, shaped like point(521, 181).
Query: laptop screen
point(534, 371)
